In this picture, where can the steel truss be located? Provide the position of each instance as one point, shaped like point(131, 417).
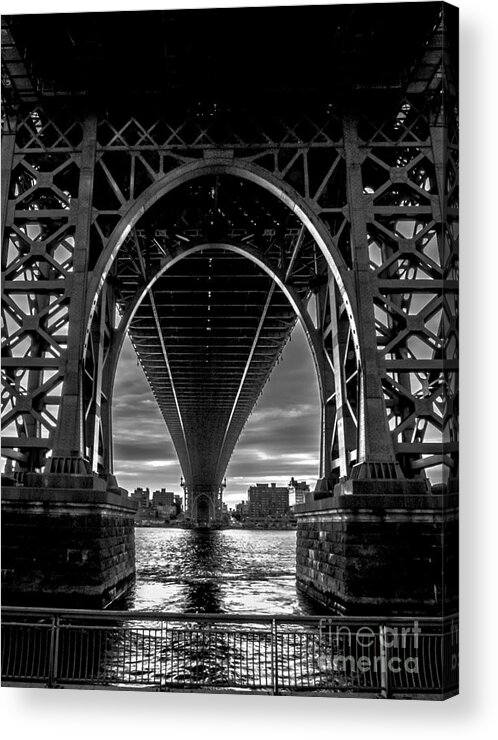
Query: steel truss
point(111, 220)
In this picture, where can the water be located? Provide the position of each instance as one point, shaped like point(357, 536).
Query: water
point(216, 571)
point(225, 572)
point(210, 571)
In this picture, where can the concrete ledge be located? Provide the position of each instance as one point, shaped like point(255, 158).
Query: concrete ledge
point(376, 501)
point(384, 487)
point(56, 496)
point(90, 481)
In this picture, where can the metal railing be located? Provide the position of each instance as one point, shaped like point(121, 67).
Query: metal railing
point(224, 652)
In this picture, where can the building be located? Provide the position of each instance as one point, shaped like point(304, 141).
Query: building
point(242, 509)
point(297, 491)
point(268, 501)
point(163, 498)
point(142, 496)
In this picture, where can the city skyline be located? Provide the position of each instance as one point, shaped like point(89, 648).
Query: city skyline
point(279, 441)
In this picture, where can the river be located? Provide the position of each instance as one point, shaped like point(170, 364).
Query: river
point(231, 570)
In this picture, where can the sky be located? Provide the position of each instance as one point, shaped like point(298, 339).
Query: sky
point(280, 440)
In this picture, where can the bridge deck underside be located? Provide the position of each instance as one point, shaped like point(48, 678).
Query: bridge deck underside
point(208, 336)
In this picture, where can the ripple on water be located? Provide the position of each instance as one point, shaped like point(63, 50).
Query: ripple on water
point(216, 571)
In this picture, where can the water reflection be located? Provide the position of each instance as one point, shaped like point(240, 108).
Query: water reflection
point(217, 571)
point(202, 591)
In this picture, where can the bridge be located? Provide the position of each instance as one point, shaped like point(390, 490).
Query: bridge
point(166, 183)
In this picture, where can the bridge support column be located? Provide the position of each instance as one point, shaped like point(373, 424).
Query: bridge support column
point(66, 547)
point(67, 533)
point(69, 452)
point(204, 505)
point(390, 548)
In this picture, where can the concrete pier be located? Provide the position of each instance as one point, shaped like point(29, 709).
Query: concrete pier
point(71, 547)
point(392, 552)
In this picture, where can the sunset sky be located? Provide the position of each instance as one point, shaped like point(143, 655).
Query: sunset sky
point(280, 440)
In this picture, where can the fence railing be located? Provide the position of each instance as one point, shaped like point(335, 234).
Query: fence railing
point(224, 652)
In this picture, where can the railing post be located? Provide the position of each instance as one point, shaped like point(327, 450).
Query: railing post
point(274, 657)
point(162, 651)
point(384, 674)
point(53, 658)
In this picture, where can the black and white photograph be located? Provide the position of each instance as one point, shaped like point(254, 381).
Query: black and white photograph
point(230, 454)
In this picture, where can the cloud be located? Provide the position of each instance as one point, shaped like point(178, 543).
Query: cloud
point(159, 463)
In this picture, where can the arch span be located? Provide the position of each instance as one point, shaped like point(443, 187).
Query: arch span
point(221, 166)
point(237, 168)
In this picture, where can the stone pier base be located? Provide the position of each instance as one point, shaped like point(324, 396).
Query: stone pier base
point(70, 547)
point(380, 547)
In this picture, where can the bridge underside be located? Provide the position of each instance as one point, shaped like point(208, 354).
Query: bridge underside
point(213, 325)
